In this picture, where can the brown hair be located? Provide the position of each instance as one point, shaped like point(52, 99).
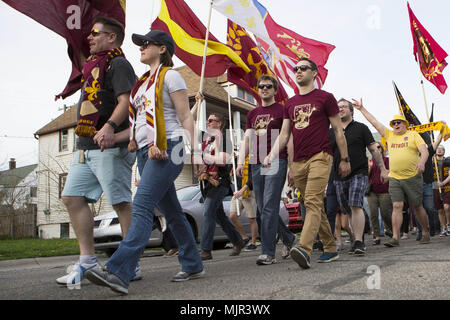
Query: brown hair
point(266, 77)
point(312, 64)
point(113, 26)
point(219, 117)
point(166, 59)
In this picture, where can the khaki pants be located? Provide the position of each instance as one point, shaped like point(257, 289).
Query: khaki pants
point(311, 177)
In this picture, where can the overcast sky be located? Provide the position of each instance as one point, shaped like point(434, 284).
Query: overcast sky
point(373, 48)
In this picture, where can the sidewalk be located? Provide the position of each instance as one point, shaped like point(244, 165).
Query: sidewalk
point(32, 263)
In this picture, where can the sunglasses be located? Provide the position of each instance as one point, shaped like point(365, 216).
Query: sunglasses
point(395, 122)
point(267, 86)
point(379, 147)
point(146, 43)
point(302, 68)
point(212, 120)
point(95, 32)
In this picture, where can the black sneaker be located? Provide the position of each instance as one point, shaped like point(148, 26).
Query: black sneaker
point(352, 248)
point(250, 247)
point(360, 248)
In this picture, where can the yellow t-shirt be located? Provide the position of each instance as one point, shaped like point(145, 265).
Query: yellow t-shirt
point(403, 153)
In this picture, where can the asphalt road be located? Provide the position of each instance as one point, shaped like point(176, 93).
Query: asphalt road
point(411, 271)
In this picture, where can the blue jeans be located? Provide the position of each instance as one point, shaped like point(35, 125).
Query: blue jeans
point(331, 205)
point(428, 204)
point(156, 189)
point(213, 212)
point(268, 190)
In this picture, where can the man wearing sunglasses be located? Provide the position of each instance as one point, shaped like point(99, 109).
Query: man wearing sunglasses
point(262, 127)
point(350, 190)
point(408, 154)
point(308, 116)
point(100, 165)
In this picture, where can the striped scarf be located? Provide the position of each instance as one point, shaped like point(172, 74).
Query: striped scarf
point(94, 76)
point(154, 110)
point(245, 177)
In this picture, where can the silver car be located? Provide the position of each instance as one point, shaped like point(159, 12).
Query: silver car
point(108, 234)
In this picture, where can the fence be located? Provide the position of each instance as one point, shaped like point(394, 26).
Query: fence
point(19, 225)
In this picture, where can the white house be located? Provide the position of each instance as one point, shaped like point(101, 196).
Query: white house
point(18, 200)
point(57, 148)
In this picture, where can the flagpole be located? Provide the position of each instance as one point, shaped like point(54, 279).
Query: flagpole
point(232, 146)
point(206, 47)
point(428, 120)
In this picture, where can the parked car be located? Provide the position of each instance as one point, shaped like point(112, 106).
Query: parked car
point(108, 234)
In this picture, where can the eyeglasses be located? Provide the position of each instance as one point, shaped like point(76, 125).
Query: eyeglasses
point(212, 120)
point(95, 32)
point(395, 122)
point(302, 68)
point(267, 86)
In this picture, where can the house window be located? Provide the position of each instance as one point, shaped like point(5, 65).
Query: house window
point(33, 192)
point(245, 95)
point(64, 231)
point(63, 140)
point(62, 182)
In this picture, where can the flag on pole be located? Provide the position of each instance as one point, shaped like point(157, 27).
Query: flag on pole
point(72, 20)
point(188, 32)
point(404, 108)
point(428, 53)
point(283, 46)
point(241, 42)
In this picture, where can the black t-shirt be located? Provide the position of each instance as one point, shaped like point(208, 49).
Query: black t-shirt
point(428, 173)
point(119, 78)
point(223, 171)
point(358, 137)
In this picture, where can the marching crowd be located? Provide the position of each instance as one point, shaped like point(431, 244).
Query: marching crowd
point(121, 120)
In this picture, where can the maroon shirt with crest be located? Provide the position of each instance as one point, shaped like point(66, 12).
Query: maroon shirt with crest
point(309, 114)
point(265, 121)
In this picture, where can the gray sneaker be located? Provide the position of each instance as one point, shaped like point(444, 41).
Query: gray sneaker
point(184, 276)
point(265, 259)
point(287, 248)
point(107, 279)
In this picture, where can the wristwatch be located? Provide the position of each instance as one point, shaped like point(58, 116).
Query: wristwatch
point(112, 124)
point(346, 159)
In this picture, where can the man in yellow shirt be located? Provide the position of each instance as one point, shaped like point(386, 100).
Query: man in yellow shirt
point(407, 156)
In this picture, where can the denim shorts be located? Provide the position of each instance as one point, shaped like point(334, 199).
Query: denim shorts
point(108, 171)
point(350, 193)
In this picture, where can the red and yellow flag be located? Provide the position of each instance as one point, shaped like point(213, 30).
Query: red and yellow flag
point(430, 55)
point(188, 32)
point(246, 48)
point(72, 21)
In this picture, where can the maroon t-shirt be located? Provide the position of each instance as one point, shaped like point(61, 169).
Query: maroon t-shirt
point(309, 115)
point(375, 177)
point(266, 123)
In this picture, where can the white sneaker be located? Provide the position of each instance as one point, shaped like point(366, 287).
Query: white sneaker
point(137, 273)
point(76, 273)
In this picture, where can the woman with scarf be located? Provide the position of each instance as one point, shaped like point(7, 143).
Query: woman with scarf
point(158, 100)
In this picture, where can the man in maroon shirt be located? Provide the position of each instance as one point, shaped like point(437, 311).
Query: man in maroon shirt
point(262, 128)
point(308, 116)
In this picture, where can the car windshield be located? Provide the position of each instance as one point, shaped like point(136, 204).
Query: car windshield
point(188, 193)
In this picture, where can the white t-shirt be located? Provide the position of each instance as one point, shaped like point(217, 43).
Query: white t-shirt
point(173, 81)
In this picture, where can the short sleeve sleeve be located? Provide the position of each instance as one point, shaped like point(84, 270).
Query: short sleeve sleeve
point(173, 81)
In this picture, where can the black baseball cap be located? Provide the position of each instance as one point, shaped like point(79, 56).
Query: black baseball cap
point(155, 36)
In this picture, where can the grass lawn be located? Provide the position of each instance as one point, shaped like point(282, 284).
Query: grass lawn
point(35, 248)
